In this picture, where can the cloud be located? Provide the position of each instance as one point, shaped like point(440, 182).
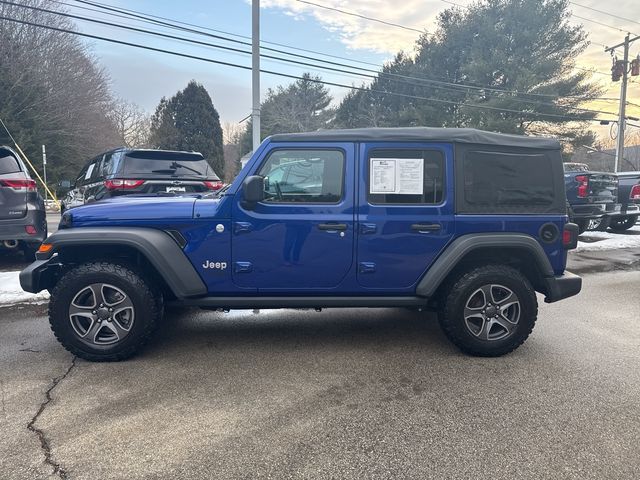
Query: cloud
point(362, 34)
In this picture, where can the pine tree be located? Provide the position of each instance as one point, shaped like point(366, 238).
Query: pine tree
point(527, 46)
point(189, 121)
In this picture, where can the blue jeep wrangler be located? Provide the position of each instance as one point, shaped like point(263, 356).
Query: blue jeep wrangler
point(468, 223)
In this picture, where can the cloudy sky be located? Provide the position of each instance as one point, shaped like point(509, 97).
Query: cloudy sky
point(144, 77)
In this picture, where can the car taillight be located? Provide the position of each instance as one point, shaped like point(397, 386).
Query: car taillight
point(217, 185)
point(124, 184)
point(20, 184)
point(635, 192)
point(570, 236)
point(583, 187)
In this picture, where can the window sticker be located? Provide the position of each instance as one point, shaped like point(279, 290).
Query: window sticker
point(89, 171)
point(403, 176)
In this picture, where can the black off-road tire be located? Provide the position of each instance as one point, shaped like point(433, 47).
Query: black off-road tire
point(460, 290)
point(145, 298)
point(620, 224)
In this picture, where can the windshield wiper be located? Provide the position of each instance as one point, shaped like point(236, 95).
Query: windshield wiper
point(174, 166)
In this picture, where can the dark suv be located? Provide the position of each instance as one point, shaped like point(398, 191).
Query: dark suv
point(125, 171)
point(23, 223)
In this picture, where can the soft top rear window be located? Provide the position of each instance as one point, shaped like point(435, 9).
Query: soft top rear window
point(8, 163)
point(510, 182)
point(167, 163)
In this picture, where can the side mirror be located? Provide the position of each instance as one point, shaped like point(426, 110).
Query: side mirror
point(252, 191)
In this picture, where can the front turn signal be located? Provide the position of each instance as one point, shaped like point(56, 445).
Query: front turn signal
point(45, 248)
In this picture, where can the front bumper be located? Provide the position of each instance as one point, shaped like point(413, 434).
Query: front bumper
point(40, 275)
point(562, 286)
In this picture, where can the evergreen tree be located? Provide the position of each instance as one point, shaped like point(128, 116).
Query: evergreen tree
point(526, 46)
point(189, 121)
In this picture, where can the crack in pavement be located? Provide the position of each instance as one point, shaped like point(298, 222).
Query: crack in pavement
point(44, 442)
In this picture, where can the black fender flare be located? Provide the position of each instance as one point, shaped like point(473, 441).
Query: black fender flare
point(157, 246)
point(465, 244)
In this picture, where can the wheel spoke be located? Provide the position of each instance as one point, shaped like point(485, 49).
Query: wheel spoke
point(122, 296)
point(473, 296)
point(487, 290)
point(77, 311)
point(116, 329)
point(80, 295)
point(97, 293)
point(508, 300)
point(484, 331)
point(505, 323)
point(92, 332)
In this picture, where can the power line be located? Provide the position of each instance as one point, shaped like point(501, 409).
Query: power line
point(141, 16)
point(440, 85)
point(604, 13)
point(353, 14)
point(280, 74)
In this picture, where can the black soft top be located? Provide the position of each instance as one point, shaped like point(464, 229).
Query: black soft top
point(420, 134)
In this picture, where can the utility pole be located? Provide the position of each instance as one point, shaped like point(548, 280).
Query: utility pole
point(255, 72)
point(44, 169)
point(621, 67)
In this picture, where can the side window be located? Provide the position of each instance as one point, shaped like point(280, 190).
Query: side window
point(89, 173)
point(406, 176)
point(296, 176)
point(106, 165)
point(507, 182)
point(81, 175)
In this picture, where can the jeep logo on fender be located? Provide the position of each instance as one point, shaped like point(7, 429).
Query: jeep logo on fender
point(215, 265)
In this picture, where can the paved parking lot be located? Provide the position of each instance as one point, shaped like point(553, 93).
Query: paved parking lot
point(337, 394)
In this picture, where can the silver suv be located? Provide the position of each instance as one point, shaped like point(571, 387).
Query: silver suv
point(23, 222)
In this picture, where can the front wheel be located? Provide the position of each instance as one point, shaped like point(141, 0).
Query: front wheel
point(103, 311)
point(489, 311)
point(620, 224)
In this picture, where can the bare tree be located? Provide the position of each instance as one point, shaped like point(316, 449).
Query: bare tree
point(54, 92)
point(132, 124)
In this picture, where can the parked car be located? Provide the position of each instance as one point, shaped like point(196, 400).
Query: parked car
point(629, 199)
point(592, 196)
point(126, 171)
point(468, 223)
point(23, 220)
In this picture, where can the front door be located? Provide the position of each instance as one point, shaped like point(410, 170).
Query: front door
point(301, 237)
point(406, 212)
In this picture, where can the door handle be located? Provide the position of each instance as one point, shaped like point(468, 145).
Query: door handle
point(426, 227)
point(333, 227)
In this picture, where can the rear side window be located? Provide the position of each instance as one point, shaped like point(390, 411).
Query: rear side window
point(407, 176)
point(507, 182)
point(8, 163)
point(312, 176)
point(108, 164)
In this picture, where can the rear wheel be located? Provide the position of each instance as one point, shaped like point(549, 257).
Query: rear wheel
point(620, 224)
point(489, 311)
point(103, 311)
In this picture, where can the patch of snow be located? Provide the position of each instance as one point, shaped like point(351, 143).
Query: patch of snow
point(12, 294)
point(609, 241)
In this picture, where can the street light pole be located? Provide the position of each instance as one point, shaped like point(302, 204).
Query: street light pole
point(255, 72)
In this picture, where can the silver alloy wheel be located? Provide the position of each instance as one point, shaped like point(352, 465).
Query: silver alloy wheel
point(492, 312)
point(101, 314)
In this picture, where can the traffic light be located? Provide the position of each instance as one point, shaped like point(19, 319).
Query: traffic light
point(635, 66)
point(617, 70)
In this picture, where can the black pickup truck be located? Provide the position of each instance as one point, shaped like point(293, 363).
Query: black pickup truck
point(592, 197)
point(629, 199)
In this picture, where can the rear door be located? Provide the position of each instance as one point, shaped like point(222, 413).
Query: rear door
point(405, 212)
point(13, 186)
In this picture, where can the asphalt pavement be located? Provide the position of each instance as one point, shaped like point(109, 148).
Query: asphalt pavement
point(337, 394)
